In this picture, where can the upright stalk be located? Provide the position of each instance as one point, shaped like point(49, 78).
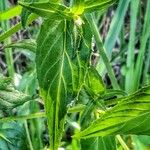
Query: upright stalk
point(144, 40)
point(28, 135)
point(147, 65)
point(123, 144)
point(130, 57)
point(105, 58)
point(102, 51)
point(8, 52)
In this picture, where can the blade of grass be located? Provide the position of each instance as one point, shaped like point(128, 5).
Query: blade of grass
point(123, 144)
point(102, 51)
point(105, 58)
point(144, 40)
point(116, 25)
point(114, 30)
point(10, 13)
point(8, 52)
point(147, 65)
point(28, 135)
point(131, 48)
point(16, 28)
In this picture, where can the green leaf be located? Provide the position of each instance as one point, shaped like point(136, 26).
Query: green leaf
point(48, 10)
point(94, 84)
point(9, 97)
point(107, 143)
point(99, 143)
point(10, 13)
point(26, 13)
point(4, 82)
point(15, 137)
point(116, 25)
point(16, 28)
point(130, 116)
point(54, 72)
point(95, 5)
point(28, 83)
point(62, 61)
point(4, 138)
point(28, 44)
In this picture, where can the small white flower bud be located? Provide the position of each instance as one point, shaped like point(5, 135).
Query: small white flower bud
point(78, 21)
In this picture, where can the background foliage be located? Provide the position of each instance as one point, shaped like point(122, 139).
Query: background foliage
point(115, 94)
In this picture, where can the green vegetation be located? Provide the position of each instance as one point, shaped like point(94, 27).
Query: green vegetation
point(75, 74)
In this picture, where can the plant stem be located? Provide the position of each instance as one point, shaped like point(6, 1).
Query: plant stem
point(102, 51)
point(147, 65)
point(8, 51)
point(28, 135)
point(105, 58)
point(123, 144)
point(24, 117)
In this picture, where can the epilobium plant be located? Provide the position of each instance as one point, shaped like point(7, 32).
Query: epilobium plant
point(62, 58)
point(65, 72)
point(69, 81)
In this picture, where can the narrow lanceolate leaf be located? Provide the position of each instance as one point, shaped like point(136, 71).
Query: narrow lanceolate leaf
point(10, 13)
point(94, 5)
point(130, 116)
point(116, 25)
point(16, 28)
point(28, 44)
point(54, 72)
point(48, 10)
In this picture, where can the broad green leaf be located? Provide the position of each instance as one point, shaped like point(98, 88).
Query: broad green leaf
point(130, 116)
point(60, 70)
point(27, 44)
point(94, 5)
point(77, 7)
point(54, 72)
point(48, 10)
point(10, 13)
point(80, 7)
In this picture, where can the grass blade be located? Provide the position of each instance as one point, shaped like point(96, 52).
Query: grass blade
point(131, 48)
point(116, 25)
